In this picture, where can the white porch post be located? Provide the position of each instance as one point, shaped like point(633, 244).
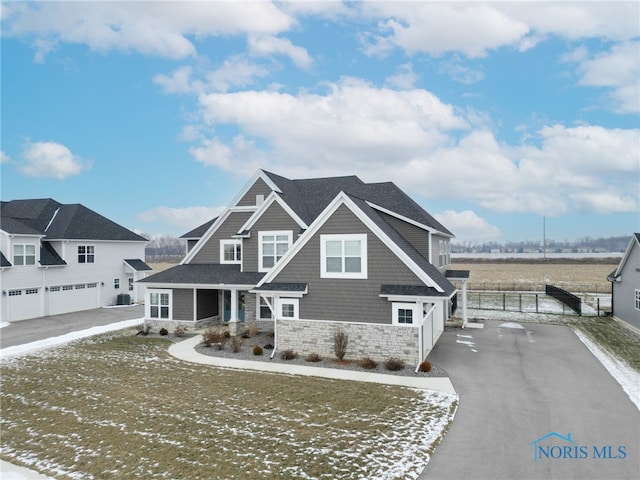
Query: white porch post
point(233, 313)
point(464, 303)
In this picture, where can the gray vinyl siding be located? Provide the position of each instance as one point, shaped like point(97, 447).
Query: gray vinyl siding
point(347, 300)
point(210, 253)
point(416, 236)
point(258, 188)
point(207, 303)
point(624, 305)
point(274, 218)
point(182, 304)
point(435, 254)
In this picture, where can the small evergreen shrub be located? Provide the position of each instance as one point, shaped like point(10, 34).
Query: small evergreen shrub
point(180, 330)
point(257, 350)
point(236, 343)
point(425, 366)
point(367, 363)
point(288, 355)
point(394, 364)
point(164, 332)
point(340, 342)
point(268, 346)
point(313, 357)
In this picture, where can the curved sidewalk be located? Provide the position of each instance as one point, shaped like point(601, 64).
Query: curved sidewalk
point(185, 350)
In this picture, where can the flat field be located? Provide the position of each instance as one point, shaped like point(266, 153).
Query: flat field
point(574, 275)
point(119, 406)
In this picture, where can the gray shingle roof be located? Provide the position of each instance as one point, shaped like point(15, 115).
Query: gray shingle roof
point(282, 287)
point(58, 221)
point(198, 232)
point(459, 274)
point(410, 291)
point(205, 274)
point(3, 261)
point(49, 257)
point(138, 265)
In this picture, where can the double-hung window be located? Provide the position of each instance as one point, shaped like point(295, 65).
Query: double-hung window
point(24, 254)
point(230, 251)
point(343, 256)
point(404, 313)
point(86, 253)
point(637, 299)
point(272, 246)
point(159, 305)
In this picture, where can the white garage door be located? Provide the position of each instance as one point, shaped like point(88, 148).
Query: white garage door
point(72, 298)
point(23, 304)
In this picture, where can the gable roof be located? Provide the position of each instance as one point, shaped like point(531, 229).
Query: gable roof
point(199, 231)
point(634, 242)
point(3, 261)
point(204, 274)
point(56, 221)
point(137, 264)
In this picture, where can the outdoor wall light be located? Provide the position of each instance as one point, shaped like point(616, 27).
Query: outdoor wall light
point(4, 293)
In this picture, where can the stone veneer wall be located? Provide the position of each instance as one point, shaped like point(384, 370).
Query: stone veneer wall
point(172, 324)
point(376, 341)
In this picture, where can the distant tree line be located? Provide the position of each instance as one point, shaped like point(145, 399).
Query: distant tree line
point(581, 245)
point(164, 248)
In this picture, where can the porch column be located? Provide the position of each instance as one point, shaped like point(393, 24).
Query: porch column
point(464, 303)
point(233, 314)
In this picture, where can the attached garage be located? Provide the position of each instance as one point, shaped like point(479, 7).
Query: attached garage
point(23, 303)
point(72, 298)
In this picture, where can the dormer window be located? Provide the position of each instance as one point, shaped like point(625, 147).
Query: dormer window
point(24, 254)
point(230, 251)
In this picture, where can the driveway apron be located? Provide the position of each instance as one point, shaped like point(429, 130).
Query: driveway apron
point(517, 385)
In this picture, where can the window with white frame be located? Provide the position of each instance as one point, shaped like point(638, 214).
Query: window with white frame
point(637, 299)
point(116, 283)
point(404, 314)
point(271, 247)
point(159, 305)
point(343, 256)
point(263, 309)
point(230, 251)
point(131, 284)
point(86, 253)
point(289, 308)
point(24, 254)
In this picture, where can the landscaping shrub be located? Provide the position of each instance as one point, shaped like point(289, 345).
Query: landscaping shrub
point(215, 338)
point(368, 363)
point(164, 331)
point(268, 346)
point(394, 364)
point(180, 330)
point(288, 355)
point(270, 334)
point(257, 350)
point(253, 330)
point(236, 343)
point(340, 342)
point(313, 357)
point(425, 366)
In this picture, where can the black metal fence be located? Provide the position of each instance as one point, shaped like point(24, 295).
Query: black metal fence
point(596, 288)
point(567, 298)
point(534, 302)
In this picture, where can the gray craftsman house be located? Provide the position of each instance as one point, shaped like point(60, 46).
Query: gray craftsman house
point(625, 284)
point(305, 258)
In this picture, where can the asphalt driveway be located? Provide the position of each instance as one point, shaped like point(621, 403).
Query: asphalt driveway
point(518, 385)
point(27, 331)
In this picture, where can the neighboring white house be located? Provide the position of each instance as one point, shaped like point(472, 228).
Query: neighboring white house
point(57, 258)
point(625, 284)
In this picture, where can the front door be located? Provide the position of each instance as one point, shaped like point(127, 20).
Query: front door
point(227, 305)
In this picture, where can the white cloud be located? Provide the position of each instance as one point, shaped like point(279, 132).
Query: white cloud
point(405, 78)
point(235, 72)
point(424, 145)
point(618, 69)
point(187, 218)
point(152, 28)
point(268, 45)
point(4, 158)
point(459, 72)
point(468, 226)
point(51, 160)
point(179, 81)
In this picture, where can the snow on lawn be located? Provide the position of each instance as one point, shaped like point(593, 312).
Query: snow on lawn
point(32, 347)
point(626, 376)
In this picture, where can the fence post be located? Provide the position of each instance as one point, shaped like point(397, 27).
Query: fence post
point(504, 303)
point(536, 303)
point(598, 303)
point(520, 302)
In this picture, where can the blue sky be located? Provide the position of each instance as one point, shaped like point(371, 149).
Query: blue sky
point(490, 116)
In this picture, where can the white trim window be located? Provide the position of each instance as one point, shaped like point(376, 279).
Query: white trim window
point(159, 304)
point(637, 299)
point(86, 253)
point(405, 314)
point(289, 308)
point(131, 284)
point(24, 254)
point(271, 247)
point(230, 251)
point(343, 256)
point(116, 283)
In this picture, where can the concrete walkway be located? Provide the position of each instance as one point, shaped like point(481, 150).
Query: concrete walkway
point(186, 351)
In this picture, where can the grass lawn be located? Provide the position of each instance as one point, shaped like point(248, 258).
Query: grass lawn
point(119, 406)
point(617, 339)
